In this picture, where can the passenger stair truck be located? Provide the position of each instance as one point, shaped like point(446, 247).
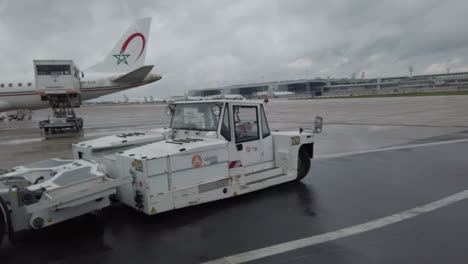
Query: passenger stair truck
point(212, 150)
point(58, 82)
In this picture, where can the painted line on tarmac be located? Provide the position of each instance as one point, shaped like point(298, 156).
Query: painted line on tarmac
point(341, 233)
point(336, 155)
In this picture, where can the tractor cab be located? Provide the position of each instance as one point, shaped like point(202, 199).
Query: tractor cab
point(243, 125)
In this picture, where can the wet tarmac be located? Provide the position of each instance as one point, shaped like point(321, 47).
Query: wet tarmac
point(339, 192)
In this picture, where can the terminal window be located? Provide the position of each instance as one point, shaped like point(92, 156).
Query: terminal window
point(53, 69)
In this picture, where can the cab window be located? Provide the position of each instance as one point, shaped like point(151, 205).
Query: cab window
point(245, 123)
point(226, 125)
point(265, 127)
point(195, 116)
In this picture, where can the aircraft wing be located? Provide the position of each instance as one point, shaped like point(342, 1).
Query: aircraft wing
point(136, 75)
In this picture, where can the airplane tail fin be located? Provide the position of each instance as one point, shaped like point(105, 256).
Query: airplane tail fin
point(129, 52)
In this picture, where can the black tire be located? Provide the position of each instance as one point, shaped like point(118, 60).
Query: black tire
point(303, 163)
point(80, 123)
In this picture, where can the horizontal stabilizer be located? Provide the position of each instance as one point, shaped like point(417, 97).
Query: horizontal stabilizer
point(136, 75)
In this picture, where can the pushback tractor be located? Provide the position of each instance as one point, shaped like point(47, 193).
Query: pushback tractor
point(58, 82)
point(212, 150)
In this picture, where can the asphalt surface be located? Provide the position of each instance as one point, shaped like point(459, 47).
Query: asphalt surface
point(338, 192)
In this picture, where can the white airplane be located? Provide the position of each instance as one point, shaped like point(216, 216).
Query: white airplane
point(141, 100)
point(282, 93)
point(187, 97)
point(233, 97)
point(123, 68)
point(134, 100)
point(156, 100)
point(276, 93)
point(221, 95)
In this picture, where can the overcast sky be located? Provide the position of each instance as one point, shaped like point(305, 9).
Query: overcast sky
point(201, 44)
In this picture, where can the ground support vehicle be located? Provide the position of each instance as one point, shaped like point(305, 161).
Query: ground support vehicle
point(58, 82)
point(19, 115)
point(212, 150)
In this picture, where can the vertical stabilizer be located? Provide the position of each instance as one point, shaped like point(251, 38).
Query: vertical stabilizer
point(129, 52)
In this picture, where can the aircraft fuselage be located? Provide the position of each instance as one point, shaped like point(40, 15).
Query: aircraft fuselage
point(21, 93)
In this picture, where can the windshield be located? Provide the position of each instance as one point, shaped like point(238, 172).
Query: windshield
point(198, 116)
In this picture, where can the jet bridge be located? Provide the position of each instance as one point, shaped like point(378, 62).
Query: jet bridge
point(58, 82)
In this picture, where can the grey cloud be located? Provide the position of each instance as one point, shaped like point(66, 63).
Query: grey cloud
point(198, 44)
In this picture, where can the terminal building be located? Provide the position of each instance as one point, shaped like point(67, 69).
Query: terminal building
point(344, 87)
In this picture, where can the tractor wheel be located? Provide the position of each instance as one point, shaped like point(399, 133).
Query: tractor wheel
point(3, 221)
point(303, 163)
point(80, 123)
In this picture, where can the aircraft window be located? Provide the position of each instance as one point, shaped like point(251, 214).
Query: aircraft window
point(2, 85)
point(20, 84)
point(10, 85)
point(53, 69)
point(29, 84)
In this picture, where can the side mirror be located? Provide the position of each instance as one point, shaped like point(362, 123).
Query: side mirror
point(318, 124)
point(169, 110)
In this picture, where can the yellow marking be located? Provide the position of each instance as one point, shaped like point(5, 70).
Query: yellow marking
point(235, 194)
point(153, 210)
point(14, 195)
point(50, 220)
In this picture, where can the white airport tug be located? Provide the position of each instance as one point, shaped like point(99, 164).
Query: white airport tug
point(211, 151)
